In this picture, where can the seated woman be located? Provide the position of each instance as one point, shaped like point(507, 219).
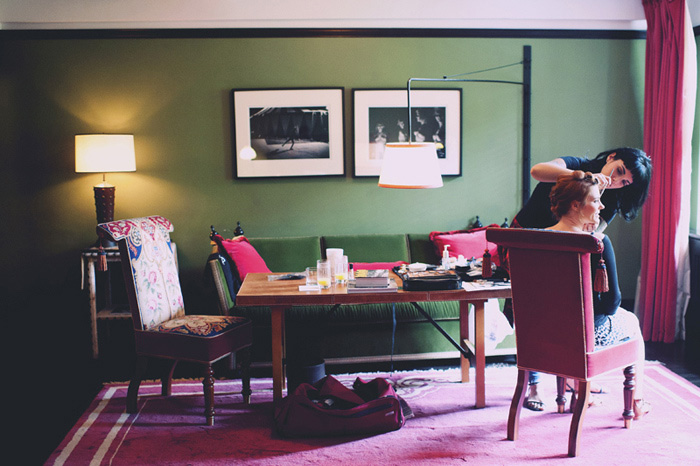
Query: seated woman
point(576, 204)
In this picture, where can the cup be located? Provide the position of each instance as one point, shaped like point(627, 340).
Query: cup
point(333, 255)
point(323, 268)
point(340, 272)
point(311, 276)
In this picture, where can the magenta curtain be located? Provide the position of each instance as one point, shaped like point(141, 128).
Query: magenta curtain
point(663, 143)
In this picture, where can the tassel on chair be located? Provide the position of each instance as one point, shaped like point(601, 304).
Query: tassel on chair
point(102, 259)
point(486, 270)
point(601, 277)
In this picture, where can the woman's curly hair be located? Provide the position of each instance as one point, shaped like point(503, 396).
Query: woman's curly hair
point(570, 188)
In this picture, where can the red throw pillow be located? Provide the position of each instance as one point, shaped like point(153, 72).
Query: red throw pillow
point(376, 265)
point(245, 256)
point(469, 243)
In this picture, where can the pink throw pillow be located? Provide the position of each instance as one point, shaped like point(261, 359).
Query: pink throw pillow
point(245, 256)
point(376, 265)
point(469, 243)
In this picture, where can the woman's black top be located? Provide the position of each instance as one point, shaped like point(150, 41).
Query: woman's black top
point(605, 304)
point(537, 213)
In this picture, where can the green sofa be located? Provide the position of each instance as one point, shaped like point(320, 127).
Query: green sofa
point(351, 333)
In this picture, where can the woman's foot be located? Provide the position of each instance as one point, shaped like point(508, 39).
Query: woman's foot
point(641, 408)
point(533, 402)
point(595, 388)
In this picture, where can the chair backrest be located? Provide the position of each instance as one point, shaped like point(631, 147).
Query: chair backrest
point(150, 268)
point(550, 275)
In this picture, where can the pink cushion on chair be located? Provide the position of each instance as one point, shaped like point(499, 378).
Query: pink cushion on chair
point(469, 243)
point(245, 256)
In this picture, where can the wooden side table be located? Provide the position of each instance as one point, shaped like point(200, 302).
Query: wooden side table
point(88, 261)
point(108, 311)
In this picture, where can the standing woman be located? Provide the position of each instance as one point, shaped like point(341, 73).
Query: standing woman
point(623, 174)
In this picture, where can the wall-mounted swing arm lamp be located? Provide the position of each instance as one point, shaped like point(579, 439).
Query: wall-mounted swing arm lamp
point(414, 165)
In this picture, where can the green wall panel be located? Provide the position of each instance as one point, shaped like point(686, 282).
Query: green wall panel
point(174, 95)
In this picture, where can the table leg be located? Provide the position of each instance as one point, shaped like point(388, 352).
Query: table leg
point(277, 317)
point(463, 336)
point(92, 290)
point(480, 353)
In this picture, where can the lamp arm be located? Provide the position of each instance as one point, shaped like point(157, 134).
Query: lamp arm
point(447, 79)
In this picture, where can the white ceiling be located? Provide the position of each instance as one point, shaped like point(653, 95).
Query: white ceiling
point(183, 14)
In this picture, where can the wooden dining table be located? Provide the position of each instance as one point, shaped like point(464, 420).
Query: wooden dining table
point(282, 295)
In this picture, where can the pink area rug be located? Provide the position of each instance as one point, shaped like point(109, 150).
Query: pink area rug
point(446, 429)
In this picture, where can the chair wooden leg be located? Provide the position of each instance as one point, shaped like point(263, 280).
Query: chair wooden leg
point(245, 374)
point(132, 393)
point(628, 394)
point(516, 404)
point(167, 380)
point(208, 383)
point(584, 389)
point(561, 397)
point(574, 396)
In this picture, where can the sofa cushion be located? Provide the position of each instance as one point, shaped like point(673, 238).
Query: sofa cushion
point(245, 256)
point(370, 248)
point(469, 243)
point(422, 249)
point(289, 254)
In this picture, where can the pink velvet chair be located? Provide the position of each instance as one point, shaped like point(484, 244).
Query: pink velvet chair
point(161, 327)
point(553, 317)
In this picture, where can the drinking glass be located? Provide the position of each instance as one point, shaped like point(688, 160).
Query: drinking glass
point(312, 276)
point(333, 255)
point(323, 268)
point(341, 271)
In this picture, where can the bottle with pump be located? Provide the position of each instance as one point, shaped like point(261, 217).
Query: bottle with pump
point(446, 258)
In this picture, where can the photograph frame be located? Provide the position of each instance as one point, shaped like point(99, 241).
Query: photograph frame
point(274, 121)
point(371, 105)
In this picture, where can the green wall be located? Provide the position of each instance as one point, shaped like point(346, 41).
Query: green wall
point(174, 96)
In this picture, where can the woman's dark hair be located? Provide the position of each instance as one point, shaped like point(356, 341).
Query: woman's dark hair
point(631, 197)
point(571, 187)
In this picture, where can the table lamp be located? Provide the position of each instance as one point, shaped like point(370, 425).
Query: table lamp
point(103, 153)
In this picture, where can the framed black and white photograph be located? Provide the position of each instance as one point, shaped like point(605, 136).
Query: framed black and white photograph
point(381, 116)
point(288, 132)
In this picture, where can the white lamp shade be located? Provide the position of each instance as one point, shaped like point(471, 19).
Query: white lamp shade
point(410, 166)
point(102, 153)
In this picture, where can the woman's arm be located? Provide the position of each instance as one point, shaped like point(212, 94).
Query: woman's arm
point(548, 172)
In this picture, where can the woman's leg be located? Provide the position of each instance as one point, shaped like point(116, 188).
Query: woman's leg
point(619, 327)
point(533, 401)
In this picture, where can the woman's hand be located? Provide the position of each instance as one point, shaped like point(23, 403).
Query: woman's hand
point(590, 227)
point(603, 181)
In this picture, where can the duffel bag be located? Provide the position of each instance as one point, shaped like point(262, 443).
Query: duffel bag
point(329, 408)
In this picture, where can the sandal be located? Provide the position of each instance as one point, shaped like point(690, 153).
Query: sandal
point(641, 408)
point(595, 389)
point(533, 403)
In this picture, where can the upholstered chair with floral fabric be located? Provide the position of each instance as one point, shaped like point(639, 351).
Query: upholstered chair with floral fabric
point(161, 327)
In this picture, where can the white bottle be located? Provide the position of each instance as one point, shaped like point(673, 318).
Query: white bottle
point(446, 258)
